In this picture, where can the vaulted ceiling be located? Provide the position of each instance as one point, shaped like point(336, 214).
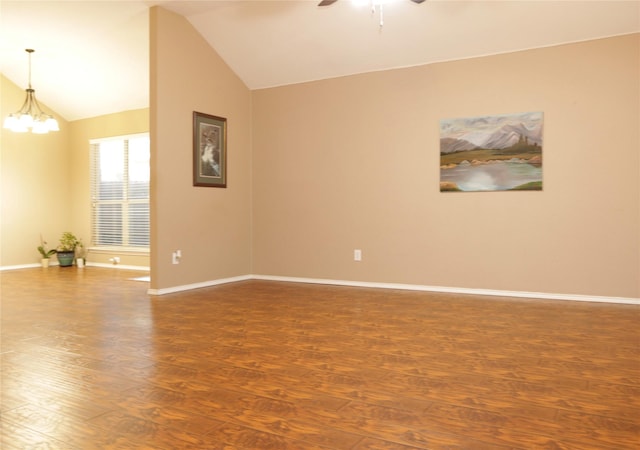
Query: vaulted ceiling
point(92, 56)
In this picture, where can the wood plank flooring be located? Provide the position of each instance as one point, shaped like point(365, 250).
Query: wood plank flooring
point(89, 361)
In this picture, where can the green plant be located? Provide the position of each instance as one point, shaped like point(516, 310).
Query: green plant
point(81, 251)
point(42, 248)
point(68, 242)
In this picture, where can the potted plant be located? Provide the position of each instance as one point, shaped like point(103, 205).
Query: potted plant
point(81, 255)
point(67, 249)
point(45, 253)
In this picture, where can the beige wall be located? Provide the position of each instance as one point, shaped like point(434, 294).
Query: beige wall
point(80, 133)
point(34, 191)
point(211, 226)
point(353, 163)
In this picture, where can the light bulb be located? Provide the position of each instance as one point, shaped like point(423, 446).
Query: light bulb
point(39, 127)
point(26, 121)
point(52, 124)
point(10, 122)
point(19, 127)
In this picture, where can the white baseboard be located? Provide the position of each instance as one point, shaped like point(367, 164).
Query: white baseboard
point(188, 287)
point(454, 290)
point(90, 264)
point(368, 284)
point(24, 266)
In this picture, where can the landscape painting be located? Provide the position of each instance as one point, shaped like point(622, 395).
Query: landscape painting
point(491, 153)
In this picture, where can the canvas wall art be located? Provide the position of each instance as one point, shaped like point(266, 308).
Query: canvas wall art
point(491, 153)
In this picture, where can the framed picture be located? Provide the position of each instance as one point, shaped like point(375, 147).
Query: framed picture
point(491, 153)
point(209, 150)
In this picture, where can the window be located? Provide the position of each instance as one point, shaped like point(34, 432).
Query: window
point(120, 192)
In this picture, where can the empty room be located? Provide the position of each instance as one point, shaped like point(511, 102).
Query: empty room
point(320, 224)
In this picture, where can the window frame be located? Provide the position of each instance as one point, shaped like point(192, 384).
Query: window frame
point(124, 246)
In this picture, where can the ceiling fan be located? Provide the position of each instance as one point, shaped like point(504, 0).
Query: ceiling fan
point(374, 4)
point(330, 2)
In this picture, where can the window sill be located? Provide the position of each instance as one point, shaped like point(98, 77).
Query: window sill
point(134, 251)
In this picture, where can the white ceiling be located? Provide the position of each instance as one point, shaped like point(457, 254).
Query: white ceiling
point(92, 56)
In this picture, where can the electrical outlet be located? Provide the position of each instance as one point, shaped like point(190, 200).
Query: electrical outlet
point(357, 255)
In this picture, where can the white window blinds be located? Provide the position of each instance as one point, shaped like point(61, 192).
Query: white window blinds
point(120, 191)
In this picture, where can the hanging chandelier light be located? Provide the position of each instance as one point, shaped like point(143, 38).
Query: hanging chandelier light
point(31, 116)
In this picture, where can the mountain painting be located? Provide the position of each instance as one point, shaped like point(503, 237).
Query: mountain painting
point(491, 153)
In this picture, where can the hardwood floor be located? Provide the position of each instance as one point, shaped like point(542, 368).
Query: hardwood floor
point(89, 361)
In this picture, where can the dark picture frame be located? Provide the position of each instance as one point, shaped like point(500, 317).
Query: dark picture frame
point(209, 150)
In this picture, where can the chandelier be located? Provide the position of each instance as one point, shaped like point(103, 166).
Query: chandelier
point(31, 116)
